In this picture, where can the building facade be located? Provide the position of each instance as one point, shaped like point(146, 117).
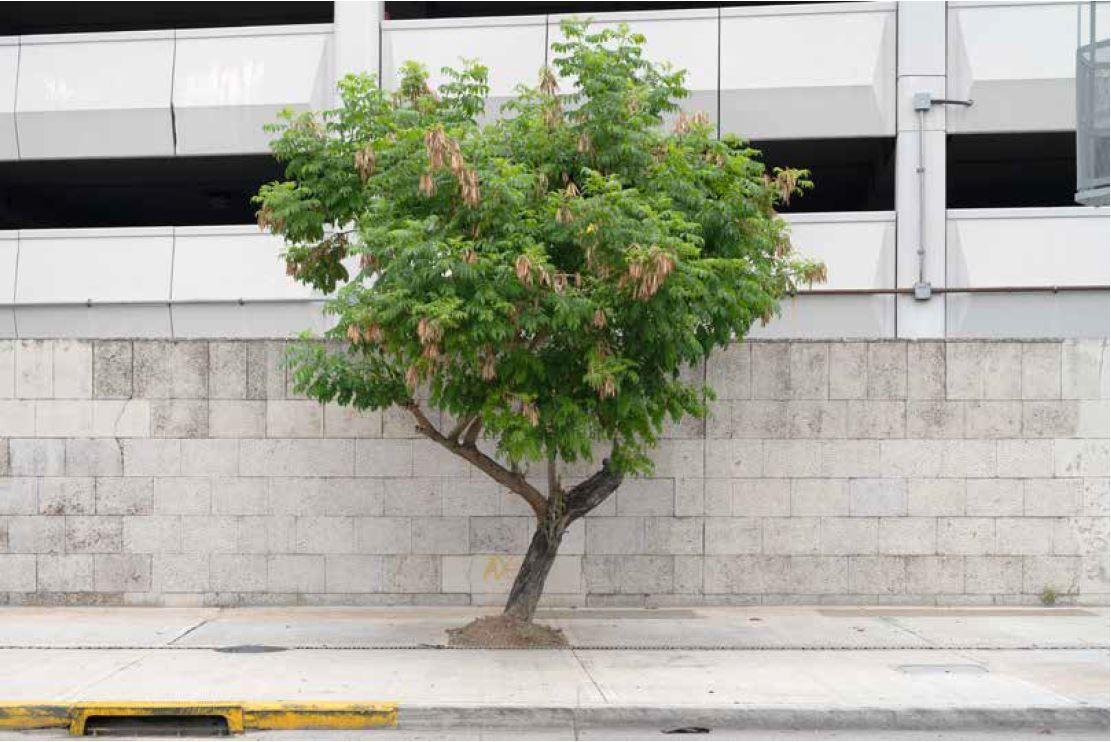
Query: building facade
point(929, 426)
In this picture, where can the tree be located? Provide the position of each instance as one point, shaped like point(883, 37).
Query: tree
point(530, 289)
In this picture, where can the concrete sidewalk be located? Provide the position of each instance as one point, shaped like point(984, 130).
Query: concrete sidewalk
point(771, 668)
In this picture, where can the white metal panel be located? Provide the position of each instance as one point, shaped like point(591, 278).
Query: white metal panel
point(1028, 247)
point(512, 48)
point(105, 321)
point(808, 71)
point(9, 252)
point(9, 72)
point(687, 39)
point(858, 248)
point(95, 95)
point(831, 317)
point(229, 83)
point(271, 320)
point(1073, 314)
point(1017, 63)
point(231, 263)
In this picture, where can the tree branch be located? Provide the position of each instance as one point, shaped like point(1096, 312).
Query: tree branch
point(592, 492)
point(468, 451)
point(460, 426)
point(553, 477)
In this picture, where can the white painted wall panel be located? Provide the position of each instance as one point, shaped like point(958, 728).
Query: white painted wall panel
point(271, 320)
point(231, 263)
point(1017, 62)
point(808, 71)
point(1028, 247)
point(858, 248)
point(1074, 314)
point(95, 95)
point(831, 317)
point(229, 83)
point(9, 249)
point(9, 72)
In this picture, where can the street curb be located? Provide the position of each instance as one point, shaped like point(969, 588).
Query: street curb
point(755, 717)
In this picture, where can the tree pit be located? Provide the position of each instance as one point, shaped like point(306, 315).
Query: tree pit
point(505, 632)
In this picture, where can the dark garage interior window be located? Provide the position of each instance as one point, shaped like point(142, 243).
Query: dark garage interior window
point(74, 17)
point(998, 171)
point(179, 191)
point(848, 174)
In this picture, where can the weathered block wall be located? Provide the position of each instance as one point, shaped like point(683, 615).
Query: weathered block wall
point(926, 472)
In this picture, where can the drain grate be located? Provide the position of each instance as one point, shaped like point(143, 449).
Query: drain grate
point(250, 649)
point(623, 613)
point(156, 726)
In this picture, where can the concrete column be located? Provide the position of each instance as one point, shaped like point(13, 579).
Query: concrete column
point(920, 208)
point(356, 41)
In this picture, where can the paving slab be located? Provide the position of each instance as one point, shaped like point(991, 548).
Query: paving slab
point(87, 626)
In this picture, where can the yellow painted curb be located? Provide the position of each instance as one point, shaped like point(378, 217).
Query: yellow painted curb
point(240, 716)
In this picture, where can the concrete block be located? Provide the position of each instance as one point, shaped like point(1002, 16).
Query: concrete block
point(1041, 370)
point(819, 497)
point(353, 573)
point(267, 534)
point(1080, 369)
point(239, 495)
point(36, 534)
point(771, 370)
point(992, 419)
point(1097, 496)
point(34, 369)
point(984, 370)
point(646, 574)
point(1047, 497)
point(926, 370)
point(7, 369)
point(17, 418)
point(65, 573)
point(745, 574)
point(690, 496)
point(182, 496)
point(412, 496)
point(410, 574)
point(818, 575)
point(295, 573)
point(73, 369)
point(733, 535)
point(348, 422)
point(638, 496)
point(911, 458)
point(440, 536)
point(1071, 458)
point(1079, 536)
point(790, 536)
point(180, 573)
point(1021, 536)
point(1025, 458)
point(63, 418)
point(887, 370)
point(112, 369)
point(877, 419)
point(152, 362)
point(237, 418)
point(848, 370)
point(152, 534)
point(993, 497)
point(971, 536)
point(850, 459)
point(205, 456)
point(992, 575)
point(124, 495)
point(679, 458)
point(94, 534)
point(511, 535)
point(930, 575)
point(809, 367)
point(729, 372)
point(673, 535)
point(759, 497)
point(734, 458)
point(719, 418)
point(688, 575)
point(33, 457)
point(95, 457)
point(306, 457)
point(1094, 419)
point(189, 361)
point(759, 418)
point(384, 458)
point(265, 372)
point(1060, 573)
point(244, 573)
point(877, 575)
point(296, 418)
point(787, 458)
point(398, 423)
point(67, 496)
point(325, 535)
point(969, 458)
point(818, 419)
point(1094, 577)
point(4, 467)
point(624, 535)
point(472, 496)
point(878, 497)
point(176, 418)
point(227, 370)
point(121, 573)
point(17, 573)
point(842, 536)
point(718, 497)
point(121, 418)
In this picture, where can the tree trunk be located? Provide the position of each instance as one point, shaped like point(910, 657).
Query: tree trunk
point(529, 583)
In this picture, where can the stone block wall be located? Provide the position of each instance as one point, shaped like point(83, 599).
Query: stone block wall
point(183, 473)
